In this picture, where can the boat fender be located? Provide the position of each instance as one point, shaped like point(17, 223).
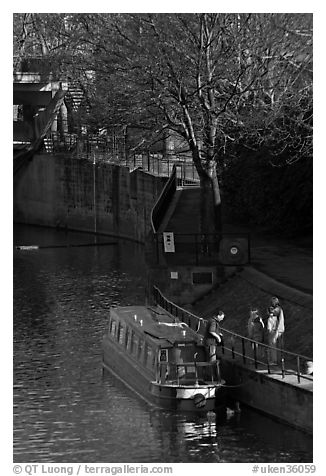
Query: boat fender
point(199, 400)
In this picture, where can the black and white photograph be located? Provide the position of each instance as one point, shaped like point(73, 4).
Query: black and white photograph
point(162, 241)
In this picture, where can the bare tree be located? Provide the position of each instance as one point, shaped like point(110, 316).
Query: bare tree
point(214, 80)
point(211, 77)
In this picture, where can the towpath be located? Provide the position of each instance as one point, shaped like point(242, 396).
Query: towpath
point(287, 261)
point(280, 268)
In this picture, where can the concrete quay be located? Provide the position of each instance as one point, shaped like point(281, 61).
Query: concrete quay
point(280, 396)
point(284, 399)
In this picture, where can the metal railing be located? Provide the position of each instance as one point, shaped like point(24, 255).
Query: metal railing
point(188, 373)
point(242, 349)
point(42, 124)
point(112, 149)
point(163, 202)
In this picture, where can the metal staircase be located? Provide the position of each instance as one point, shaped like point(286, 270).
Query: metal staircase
point(42, 124)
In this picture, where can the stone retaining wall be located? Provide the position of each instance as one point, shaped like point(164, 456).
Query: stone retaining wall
point(65, 192)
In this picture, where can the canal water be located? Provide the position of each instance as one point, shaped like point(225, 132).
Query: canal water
point(66, 409)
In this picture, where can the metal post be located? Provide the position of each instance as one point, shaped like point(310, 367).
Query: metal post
point(243, 350)
point(218, 371)
point(196, 373)
point(298, 368)
point(255, 354)
point(283, 367)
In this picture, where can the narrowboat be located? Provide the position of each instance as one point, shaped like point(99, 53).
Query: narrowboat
point(161, 359)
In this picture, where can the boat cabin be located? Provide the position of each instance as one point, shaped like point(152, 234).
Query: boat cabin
point(168, 349)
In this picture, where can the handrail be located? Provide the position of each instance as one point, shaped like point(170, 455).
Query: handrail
point(163, 201)
point(44, 119)
point(42, 124)
point(237, 340)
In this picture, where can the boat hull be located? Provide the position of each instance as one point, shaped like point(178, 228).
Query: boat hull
point(189, 398)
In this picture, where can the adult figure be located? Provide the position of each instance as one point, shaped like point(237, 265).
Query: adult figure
point(272, 323)
point(256, 328)
point(213, 335)
point(280, 328)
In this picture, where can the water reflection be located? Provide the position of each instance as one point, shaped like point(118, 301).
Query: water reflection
point(66, 409)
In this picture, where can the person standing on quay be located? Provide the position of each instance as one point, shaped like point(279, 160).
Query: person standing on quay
point(275, 329)
point(278, 312)
point(213, 335)
point(256, 329)
point(272, 337)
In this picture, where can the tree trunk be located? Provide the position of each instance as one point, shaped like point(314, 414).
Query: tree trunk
point(206, 208)
point(217, 204)
point(210, 197)
point(210, 200)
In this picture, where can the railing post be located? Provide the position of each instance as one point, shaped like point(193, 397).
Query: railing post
point(255, 354)
point(282, 367)
point(196, 373)
point(243, 350)
point(298, 368)
point(218, 371)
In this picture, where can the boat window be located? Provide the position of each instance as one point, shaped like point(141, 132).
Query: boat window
point(140, 348)
point(149, 356)
point(127, 338)
point(131, 343)
point(163, 357)
point(121, 333)
point(134, 345)
point(113, 327)
point(145, 352)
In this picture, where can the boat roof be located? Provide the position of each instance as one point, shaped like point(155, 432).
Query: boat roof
point(157, 324)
